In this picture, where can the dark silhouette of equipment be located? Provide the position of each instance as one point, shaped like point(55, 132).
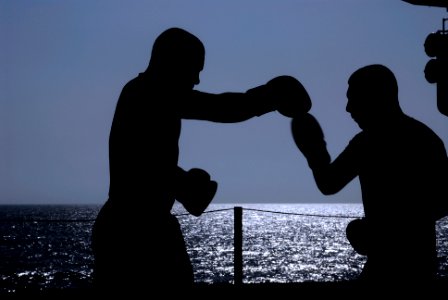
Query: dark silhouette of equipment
point(436, 70)
point(436, 47)
point(438, 3)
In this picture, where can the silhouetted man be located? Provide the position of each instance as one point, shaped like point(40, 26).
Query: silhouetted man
point(402, 167)
point(137, 243)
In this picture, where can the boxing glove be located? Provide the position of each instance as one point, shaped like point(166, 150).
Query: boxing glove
point(291, 98)
point(358, 235)
point(309, 138)
point(196, 191)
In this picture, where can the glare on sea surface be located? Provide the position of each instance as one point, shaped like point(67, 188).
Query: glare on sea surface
point(276, 247)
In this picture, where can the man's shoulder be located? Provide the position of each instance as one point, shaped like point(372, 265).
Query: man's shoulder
point(418, 129)
point(135, 82)
point(137, 87)
point(359, 138)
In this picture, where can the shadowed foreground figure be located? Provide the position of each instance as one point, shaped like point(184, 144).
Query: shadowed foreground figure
point(402, 167)
point(137, 243)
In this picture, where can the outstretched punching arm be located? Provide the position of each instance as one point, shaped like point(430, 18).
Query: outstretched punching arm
point(283, 93)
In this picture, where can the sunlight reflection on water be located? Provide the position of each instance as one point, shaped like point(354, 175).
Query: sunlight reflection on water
point(276, 247)
point(280, 248)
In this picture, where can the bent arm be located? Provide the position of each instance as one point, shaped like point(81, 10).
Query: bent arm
point(330, 177)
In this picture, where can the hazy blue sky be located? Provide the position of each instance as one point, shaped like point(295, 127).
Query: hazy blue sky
point(64, 63)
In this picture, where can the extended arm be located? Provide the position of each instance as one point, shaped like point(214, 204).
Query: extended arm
point(283, 93)
point(226, 107)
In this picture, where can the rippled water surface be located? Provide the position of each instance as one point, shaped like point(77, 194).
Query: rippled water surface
point(281, 243)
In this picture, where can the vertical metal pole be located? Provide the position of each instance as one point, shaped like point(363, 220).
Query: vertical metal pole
point(442, 94)
point(238, 245)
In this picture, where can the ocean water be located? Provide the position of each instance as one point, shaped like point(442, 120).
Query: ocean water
point(45, 247)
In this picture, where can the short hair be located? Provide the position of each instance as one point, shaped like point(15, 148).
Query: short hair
point(377, 79)
point(176, 46)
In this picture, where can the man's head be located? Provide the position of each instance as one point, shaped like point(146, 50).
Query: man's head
point(372, 96)
point(177, 58)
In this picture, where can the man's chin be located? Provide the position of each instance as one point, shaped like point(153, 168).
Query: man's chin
point(185, 88)
point(360, 125)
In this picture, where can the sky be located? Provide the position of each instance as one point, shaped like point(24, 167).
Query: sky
point(63, 65)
